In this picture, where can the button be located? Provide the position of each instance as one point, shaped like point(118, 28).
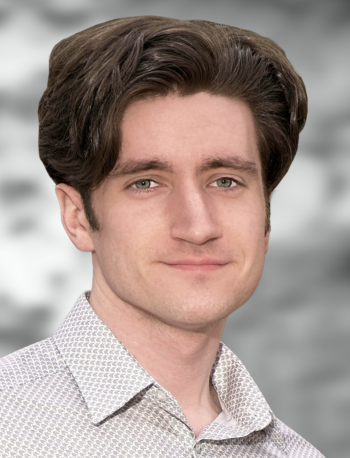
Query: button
point(198, 448)
point(161, 395)
point(233, 422)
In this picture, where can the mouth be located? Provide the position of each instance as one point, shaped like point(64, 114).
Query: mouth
point(199, 265)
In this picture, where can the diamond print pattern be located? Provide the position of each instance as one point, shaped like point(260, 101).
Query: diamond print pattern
point(81, 394)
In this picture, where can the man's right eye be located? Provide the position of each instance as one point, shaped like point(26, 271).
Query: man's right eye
point(144, 184)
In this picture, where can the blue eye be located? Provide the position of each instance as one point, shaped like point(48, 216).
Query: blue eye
point(142, 184)
point(225, 182)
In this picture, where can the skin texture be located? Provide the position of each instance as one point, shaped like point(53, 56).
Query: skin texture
point(182, 244)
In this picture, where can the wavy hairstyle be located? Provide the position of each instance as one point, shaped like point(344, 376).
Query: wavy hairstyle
point(95, 74)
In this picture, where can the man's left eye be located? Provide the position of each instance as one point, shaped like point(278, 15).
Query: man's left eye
point(144, 184)
point(224, 183)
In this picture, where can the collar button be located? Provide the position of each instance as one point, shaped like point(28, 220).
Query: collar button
point(161, 396)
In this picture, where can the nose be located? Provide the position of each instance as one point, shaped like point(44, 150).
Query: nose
point(193, 217)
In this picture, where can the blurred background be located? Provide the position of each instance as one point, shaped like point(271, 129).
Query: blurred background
point(294, 333)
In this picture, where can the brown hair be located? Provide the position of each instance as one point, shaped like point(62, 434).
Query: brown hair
point(95, 74)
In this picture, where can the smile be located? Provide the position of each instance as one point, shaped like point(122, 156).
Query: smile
point(202, 265)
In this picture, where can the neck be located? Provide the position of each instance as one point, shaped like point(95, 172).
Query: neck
point(180, 360)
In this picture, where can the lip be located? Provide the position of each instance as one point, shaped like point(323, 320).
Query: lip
point(196, 264)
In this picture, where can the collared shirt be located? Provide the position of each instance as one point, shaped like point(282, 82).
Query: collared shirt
point(81, 394)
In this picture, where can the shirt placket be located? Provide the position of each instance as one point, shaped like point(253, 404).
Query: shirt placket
point(177, 420)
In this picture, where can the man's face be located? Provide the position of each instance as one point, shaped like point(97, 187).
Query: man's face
point(183, 216)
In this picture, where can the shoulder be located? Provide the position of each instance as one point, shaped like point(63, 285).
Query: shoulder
point(31, 363)
point(295, 445)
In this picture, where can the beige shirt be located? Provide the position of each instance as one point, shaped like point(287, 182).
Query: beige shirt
point(81, 394)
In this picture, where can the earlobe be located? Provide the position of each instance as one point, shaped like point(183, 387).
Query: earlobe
point(73, 217)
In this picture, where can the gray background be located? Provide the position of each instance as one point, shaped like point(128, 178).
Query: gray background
point(294, 333)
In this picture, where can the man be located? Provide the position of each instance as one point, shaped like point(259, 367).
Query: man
point(165, 139)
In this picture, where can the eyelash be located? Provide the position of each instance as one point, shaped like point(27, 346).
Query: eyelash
point(149, 190)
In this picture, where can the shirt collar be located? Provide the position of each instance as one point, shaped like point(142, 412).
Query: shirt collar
point(243, 404)
point(239, 395)
point(107, 375)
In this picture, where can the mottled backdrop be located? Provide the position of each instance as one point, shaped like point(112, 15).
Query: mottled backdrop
point(294, 334)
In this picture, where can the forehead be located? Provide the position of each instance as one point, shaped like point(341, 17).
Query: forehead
point(188, 130)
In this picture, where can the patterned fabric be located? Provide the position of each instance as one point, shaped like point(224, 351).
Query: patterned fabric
point(81, 394)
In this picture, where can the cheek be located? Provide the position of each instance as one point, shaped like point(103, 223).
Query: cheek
point(246, 235)
point(247, 221)
point(133, 233)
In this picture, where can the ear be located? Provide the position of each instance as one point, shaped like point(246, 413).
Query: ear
point(73, 217)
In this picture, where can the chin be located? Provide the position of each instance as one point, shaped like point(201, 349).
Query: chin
point(200, 313)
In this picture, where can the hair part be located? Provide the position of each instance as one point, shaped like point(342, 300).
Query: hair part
point(97, 73)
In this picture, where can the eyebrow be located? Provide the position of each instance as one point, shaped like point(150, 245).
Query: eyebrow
point(235, 163)
point(143, 165)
